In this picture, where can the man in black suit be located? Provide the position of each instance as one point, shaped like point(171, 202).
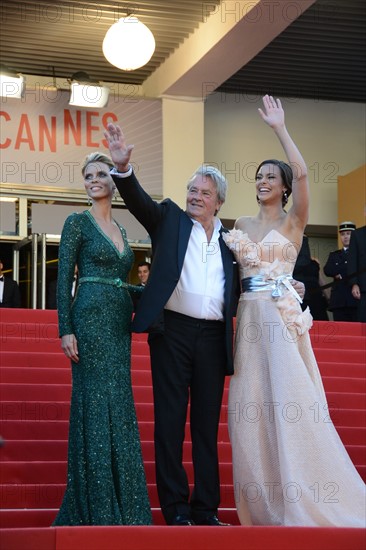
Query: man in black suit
point(341, 303)
point(357, 270)
point(143, 272)
point(9, 290)
point(188, 306)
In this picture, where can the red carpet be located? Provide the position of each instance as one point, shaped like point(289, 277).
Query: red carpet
point(35, 392)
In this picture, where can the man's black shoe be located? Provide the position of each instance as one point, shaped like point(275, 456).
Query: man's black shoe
point(212, 520)
point(182, 519)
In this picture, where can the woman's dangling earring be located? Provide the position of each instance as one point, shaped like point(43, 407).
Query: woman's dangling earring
point(258, 200)
point(89, 201)
point(285, 198)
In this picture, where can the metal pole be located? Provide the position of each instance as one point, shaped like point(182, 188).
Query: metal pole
point(16, 265)
point(43, 270)
point(34, 269)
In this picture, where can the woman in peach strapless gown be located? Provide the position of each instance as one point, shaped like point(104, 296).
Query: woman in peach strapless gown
point(289, 464)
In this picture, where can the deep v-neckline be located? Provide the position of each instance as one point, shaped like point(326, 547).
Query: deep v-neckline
point(97, 226)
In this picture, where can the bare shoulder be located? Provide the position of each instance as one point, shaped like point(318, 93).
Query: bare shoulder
point(242, 223)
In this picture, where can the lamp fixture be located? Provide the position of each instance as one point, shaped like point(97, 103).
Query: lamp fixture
point(11, 84)
point(128, 44)
point(85, 93)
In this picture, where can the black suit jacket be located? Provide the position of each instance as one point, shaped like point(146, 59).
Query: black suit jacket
point(169, 228)
point(357, 258)
point(11, 295)
point(341, 295)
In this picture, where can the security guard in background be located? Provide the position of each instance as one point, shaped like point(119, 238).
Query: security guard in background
point(9, 290)
point(341, 303)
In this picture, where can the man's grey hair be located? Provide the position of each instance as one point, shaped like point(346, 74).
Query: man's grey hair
point(218, 179)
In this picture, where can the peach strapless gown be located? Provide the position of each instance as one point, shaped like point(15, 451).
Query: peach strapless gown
point(289, 464)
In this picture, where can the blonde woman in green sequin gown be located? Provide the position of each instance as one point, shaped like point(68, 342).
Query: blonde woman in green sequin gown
point(289, 464)
point(106, 482)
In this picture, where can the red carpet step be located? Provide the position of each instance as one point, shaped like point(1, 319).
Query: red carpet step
point(35, 386)
point(182, 538)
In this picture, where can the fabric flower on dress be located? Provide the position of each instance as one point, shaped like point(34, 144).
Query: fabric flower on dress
point(242, 247)
point(295, 320)
point(272, 270)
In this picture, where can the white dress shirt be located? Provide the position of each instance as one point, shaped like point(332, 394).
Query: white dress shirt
point(200, 290)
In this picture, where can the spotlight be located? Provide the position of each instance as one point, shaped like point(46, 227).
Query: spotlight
point(85, 93)
point(11, 84)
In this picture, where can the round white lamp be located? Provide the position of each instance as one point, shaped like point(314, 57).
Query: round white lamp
point(128, 44)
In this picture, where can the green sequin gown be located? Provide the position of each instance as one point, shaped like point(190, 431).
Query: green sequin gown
point(106, 482)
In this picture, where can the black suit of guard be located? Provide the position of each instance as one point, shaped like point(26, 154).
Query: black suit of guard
point(341, 303)
point(178, 346)
point(11, 295)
